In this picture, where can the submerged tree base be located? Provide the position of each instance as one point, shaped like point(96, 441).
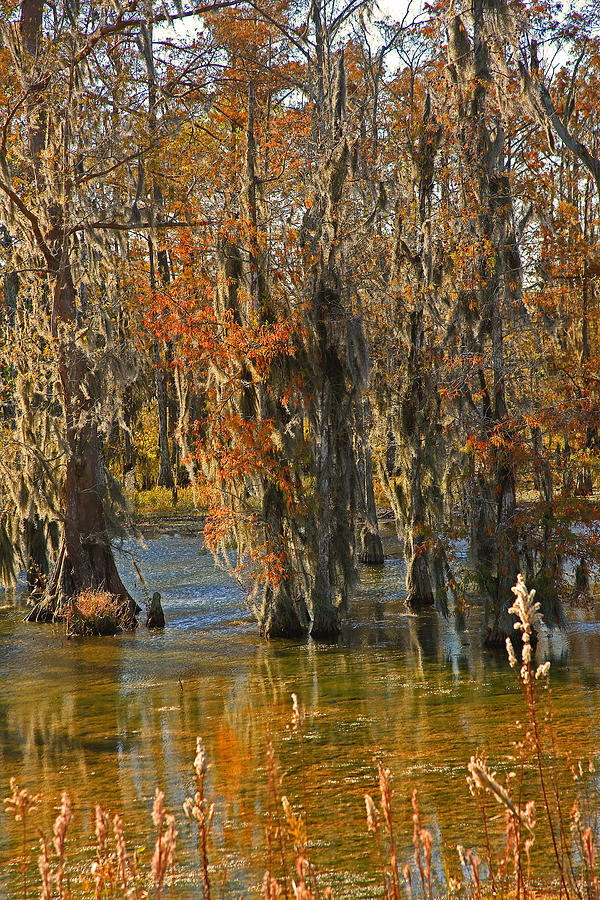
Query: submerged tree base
point(89, 596)
point(285, 620)
point(418, 583)
point(371, 548)
point(326, 626)
point(90, 613)
point(281, 615)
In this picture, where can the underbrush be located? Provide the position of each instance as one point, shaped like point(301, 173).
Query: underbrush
point(558, 836)
point(98, 612)
point(162, 501)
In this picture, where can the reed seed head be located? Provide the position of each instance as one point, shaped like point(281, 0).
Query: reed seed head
point(527, 612)
point(385, 789)
point(201, 758)
point(102, 826)
point(121, 849)
point(61, 825)
point(296, 714)
point(543, 670)
point(372, 814)
point(20, 801)
point(271, 887)
point(158, 809)
point(427, 844)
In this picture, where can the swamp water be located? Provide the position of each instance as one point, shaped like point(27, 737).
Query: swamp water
point(111, 719)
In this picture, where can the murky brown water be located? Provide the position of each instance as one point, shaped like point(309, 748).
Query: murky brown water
point(111, 719)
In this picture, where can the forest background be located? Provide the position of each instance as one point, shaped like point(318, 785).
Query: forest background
point(300, 261)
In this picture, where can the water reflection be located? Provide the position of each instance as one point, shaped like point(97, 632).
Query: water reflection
point(110, 719)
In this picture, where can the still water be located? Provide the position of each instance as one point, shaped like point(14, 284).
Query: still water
point(110, 719)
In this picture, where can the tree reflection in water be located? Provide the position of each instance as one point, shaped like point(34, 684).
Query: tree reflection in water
point(111, 719)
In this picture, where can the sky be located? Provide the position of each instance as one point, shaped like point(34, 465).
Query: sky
point(396, 8)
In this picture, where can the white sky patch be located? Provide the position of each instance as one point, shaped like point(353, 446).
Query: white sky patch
point(397, 8)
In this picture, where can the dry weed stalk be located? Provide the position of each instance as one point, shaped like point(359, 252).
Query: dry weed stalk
point(126, 869)
point(391, 881)
point(422, 843)
point(473, 860)
point(271, 887)
point(300, 888)
point(19, 804)
point(373, 825)
point(296, 723)
point(528, 616)
point(113, 868)
point(45, 870)
point(198, 809)
point(520, 816)
point(163, 858)
point(61, 825)
point(102, 868)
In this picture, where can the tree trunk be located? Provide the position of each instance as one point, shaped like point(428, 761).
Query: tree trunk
point(325, 616)
point(188, 415)
point(165, 475)
point(278, 616)
point(418, 576)
point(37, 563)
point(164, 270)
point(496, 275)
point(85, 558)
point(371, 548)
point(129, 449)
point(507, 555)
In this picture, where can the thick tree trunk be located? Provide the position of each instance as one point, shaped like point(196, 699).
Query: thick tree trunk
point(325, 616)
point(418, 577)
point(36, 554)
point(416, 422)
point(371, 548)
point(544, 576)
point(507, 555)
point(507, 558)
point(278, 614)
point(282, 610)
point(418, 580)
point(85, 558)
point(498, 271)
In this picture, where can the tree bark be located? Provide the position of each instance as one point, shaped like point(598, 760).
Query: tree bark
point(325, 616)
point(85, 558)
point(371, 548)
point(165, 474)
point(495, 207)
